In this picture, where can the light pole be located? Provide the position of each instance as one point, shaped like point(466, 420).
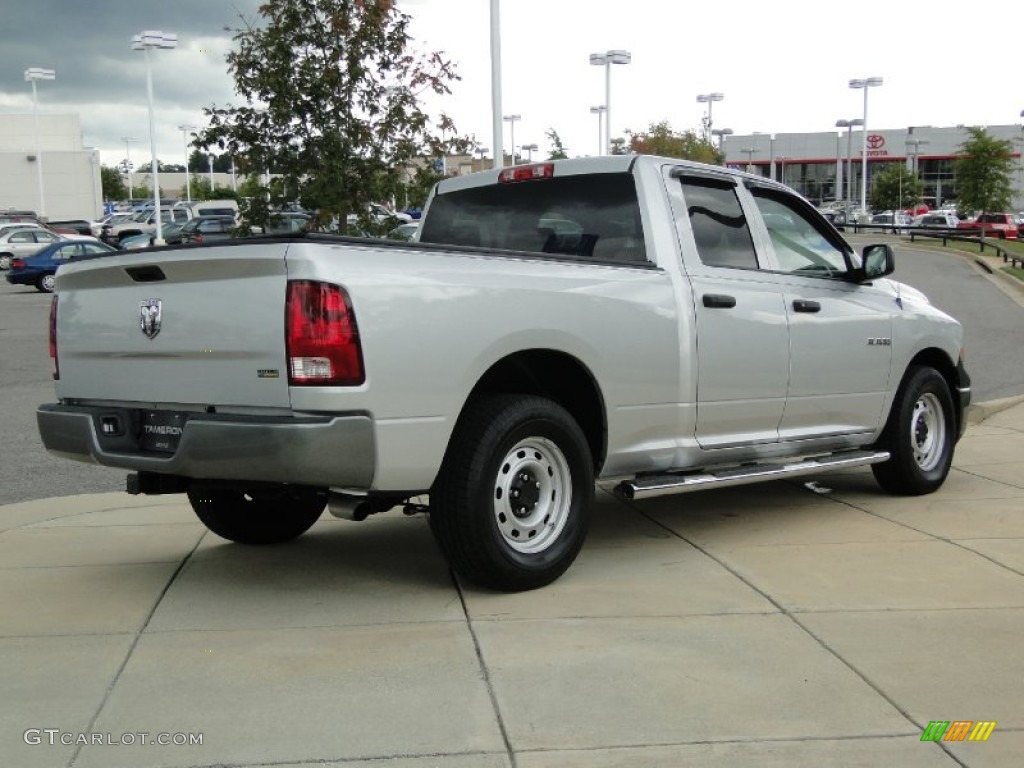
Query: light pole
point(709, 99)
point(599, 110)
point(849, 126)
point(721, 133)
point(511, 120)
point(209, 157)
point(482, 151)
point(531, 148)
point(128, 163)
point(185, 130)
point(32, 75)
point(913, 141)
point(865, 84)
point(782, 168)
point(606, 60)
point(496, 127)
point(749, 152)
point(144, 41)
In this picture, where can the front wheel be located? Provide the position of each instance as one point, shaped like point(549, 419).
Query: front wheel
point(260, 516)
point(5, 261)
point(511, 506)
point(919, 435)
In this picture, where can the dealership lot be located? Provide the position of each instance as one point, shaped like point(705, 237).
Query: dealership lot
point(777, 625)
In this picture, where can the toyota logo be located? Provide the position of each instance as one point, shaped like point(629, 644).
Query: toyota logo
point(875, 141)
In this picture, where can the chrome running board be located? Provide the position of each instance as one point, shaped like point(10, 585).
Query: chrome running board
point(648, 486)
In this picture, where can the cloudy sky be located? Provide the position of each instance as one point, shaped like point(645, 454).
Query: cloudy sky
point(783, 65)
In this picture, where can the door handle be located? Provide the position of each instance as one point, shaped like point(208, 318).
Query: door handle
point(719, 301)
point(806, 305)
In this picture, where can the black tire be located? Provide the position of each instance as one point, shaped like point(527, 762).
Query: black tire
point(919, 435)
point(506, 450)
point(44, 283)
point(257, 517)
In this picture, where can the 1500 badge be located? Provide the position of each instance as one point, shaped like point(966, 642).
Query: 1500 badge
point(880, 342)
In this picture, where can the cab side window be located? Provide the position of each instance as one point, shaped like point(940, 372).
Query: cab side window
point(801, 245)
point(720, 229)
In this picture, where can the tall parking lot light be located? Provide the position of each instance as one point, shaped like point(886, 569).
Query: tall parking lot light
point(749, 152)
point(144, 42)
point(128, 164)
point(606, 60)
point(185, 131)
point(709, 99)
point(531, 148)
point(599, 110)
point(849, 125)
point(32, 75)
point(721, 133)
point(511, 120)
point(865, 84)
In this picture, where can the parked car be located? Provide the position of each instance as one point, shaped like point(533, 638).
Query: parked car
point(1000, 225)
point(171, 233)
point(206, 228)
point(405, 231)
point(935, 220)
point(24, 242)
point(285, 223)
point(96, 227)
point(898, 220)
point(40, 269)
point(71, 226)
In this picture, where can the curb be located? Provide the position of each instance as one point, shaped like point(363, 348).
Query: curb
point(978, 412)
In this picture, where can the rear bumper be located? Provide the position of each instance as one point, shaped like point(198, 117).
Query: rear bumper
point(323, 451)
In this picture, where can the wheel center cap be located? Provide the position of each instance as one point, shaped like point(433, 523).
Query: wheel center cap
point(525, 492)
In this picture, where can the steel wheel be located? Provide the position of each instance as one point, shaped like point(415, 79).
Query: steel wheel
point(46, 283)
point(919, 435)
point(532, 495)
point(928, 432)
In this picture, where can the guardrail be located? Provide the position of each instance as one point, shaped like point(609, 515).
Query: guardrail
point(963, 236)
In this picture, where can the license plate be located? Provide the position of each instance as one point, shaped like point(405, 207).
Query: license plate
point(161, 430)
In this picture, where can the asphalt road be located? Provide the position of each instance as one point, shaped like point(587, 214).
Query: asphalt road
point(992, 323)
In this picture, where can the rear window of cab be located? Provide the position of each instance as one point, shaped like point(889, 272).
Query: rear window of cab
point(593, 217)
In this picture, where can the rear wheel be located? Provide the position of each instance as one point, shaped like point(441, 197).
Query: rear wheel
point(260, 516)
point(919, 435)
point(5, 261)
point(511, 506)
point(45, 283)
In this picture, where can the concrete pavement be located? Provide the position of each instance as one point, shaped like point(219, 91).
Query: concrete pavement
point(770, 625)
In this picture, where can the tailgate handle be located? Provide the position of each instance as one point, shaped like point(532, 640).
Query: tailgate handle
point(148, 274)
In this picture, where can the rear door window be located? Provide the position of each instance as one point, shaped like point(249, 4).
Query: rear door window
point(720, 229)
point(594, 217)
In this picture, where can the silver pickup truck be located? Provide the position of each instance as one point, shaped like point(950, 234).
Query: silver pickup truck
point(653, 324)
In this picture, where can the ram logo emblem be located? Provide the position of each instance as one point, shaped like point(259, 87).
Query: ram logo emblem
point(150, 312)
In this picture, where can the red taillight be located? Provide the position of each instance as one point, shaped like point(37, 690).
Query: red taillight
point(199, 238)
point(527, 172)
point(322, 338)
point(53, 337)
point(17, 263)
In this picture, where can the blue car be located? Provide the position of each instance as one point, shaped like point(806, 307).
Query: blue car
point(40, 269)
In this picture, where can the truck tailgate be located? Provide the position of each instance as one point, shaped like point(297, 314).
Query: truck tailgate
point(198, 327)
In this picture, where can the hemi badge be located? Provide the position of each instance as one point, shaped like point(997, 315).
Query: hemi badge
point(268, 373)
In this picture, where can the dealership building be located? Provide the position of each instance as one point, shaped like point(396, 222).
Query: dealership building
point(71, 171)
point(827, 165)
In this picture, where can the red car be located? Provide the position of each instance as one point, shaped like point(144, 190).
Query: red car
point(1001, 225)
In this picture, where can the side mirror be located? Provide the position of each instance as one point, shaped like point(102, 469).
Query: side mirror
point(878, 261)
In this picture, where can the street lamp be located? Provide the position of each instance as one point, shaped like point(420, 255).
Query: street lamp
point(144, 42)
point(606, 60)
point(209, 157)
point(128, 163)
point(915, 143)
point(865, 84)
point(709, 99)
point(849, 125)
point(185, 130)
point(599, 110)
point(511, 120)
point(531, 148)
point(482, 151)
point(721, 133)
point(31, 76)
point(749, 152)
point(782, 168)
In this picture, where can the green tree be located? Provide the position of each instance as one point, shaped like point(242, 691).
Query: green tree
point(895, 188)
point(619, 146)
point(984, 171)
point(558, 151)
point(660, 139)
point(332, 107)
point(112, 184)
